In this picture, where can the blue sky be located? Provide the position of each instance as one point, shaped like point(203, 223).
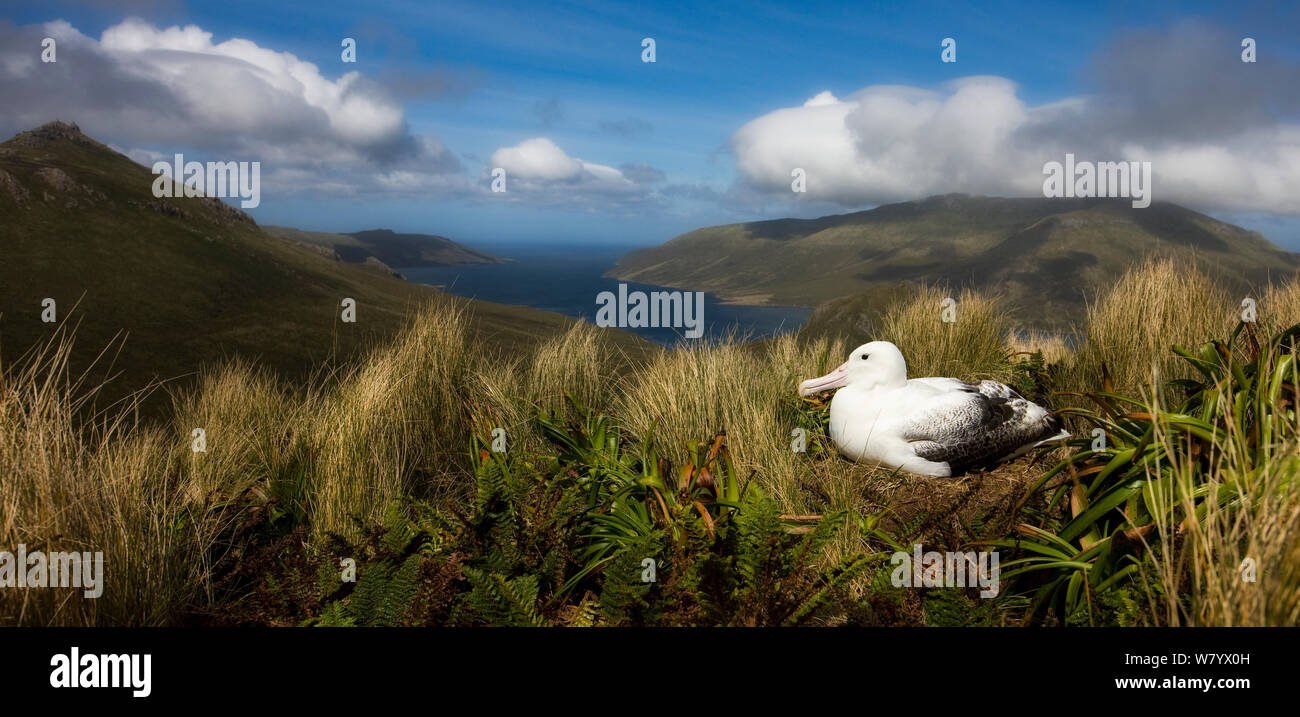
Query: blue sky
point(478, 77)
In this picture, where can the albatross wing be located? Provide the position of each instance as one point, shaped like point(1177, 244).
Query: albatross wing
point(966, 424)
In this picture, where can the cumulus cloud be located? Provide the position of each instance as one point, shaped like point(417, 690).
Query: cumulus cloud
point(1219, 133)
point(153, 89)
point(538, 159)
point(539, 169)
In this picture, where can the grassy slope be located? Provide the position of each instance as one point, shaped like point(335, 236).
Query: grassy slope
point(1047, 256)
point(391, 248)
point(398, 425)
point(189, 281)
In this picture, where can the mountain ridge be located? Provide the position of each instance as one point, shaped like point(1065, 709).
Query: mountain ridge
point(390, 248)
point(190, 281)
point(1049, 256)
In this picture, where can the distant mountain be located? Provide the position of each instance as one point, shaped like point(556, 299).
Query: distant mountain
point(389, 249)
point(189, 281)
point(1048, 256)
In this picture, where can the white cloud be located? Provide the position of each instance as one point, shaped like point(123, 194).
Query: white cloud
point(823, 98)
point(537, 159)
point(228, 83)
point(160, 90)
point(539, 168)
point(890, 143)
point(155, 91)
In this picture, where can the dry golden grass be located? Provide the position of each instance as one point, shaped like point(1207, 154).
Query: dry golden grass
point(350, 444)
point(690, 394)
point(1053, 347)
point(508, 391)
point(345, 448)
point(69, 484)
point(1279, 308)
point(577, 364)
point(1131, 328)
point(403, 413)
point(971, 347)
point(1200, 562)
point(237, 407)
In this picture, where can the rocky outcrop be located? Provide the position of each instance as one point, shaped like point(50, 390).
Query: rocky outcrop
point(10, 186)
point(55, 132)
point(226, 214)
point(162, 206)
point(73, 193)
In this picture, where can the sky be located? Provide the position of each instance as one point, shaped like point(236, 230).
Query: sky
point(598, 145)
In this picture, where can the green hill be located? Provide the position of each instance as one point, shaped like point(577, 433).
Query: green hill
point(1047, 256)
point(188, 281)
point(386, 248)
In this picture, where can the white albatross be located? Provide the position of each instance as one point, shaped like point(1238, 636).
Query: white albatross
point(929, 426)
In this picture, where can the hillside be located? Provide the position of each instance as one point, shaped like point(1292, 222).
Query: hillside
point(1047, 256)
point(386, 248)
point(187, 282)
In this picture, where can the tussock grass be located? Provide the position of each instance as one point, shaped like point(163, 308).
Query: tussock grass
point(1020, 346)
point(575, 364)
point(346, 448)
point(248, 423)
point(971, 347)
point(339, 452)
point(509, 390)
point(103, 484)
point(689, 394)
point(1130, 329)
point(396, 425)
point(1279, 307)
point(1199, 562)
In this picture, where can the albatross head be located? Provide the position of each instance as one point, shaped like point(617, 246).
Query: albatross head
point(871, 365)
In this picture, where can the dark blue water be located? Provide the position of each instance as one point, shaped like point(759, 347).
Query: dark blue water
point(566, 279)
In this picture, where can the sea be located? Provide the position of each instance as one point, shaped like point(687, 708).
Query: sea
point(566, 278)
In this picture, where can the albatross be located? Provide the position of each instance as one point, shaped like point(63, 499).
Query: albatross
point(928, 426)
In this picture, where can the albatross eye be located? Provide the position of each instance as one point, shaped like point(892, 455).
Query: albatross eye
point(866, 356)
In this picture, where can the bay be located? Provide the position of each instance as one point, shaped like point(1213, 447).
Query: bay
point(566, 279)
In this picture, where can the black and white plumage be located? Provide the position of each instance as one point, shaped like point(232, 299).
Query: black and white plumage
point(930, 426)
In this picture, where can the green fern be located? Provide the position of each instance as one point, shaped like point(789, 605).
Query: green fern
point(384, 592)
point(502, 601)
point(544, 529)
point(334, 615)
point(847, 571)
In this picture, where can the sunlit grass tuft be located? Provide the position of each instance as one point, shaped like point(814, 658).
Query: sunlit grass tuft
point(1130, 328)
point(1233, 561)
point(73, 483)
point(337, 453)
point(394, 426)
point(1021, 346)
point(968, 347)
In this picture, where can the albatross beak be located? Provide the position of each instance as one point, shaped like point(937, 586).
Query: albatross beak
point(834, 379)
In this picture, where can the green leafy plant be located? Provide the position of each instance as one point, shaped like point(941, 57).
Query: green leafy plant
point(604, 530)
point(1147, 473)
